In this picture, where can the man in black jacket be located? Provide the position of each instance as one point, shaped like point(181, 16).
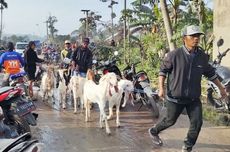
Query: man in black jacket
point(184, 68)
point(82, 58)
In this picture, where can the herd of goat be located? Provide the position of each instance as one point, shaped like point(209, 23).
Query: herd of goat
point(108, 89)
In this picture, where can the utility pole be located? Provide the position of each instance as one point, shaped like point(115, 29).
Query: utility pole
point(112, 2)
point(86, 21)
point(112, 16)
point(125, 30)
point(47, 30)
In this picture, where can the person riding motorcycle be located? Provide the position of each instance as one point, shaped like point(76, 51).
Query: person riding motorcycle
point(11, 61)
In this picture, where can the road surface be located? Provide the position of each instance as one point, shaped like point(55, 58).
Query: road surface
point(63, 131)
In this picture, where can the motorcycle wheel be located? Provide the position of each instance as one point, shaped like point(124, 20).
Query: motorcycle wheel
point(21, 125)
point(152, 105)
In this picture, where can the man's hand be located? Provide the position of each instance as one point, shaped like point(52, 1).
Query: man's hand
point(77, 67)
point(161, 94)
point(223, 93)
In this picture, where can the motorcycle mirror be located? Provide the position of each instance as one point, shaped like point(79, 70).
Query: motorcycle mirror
point(94, 61)
point(107, 62)
point(220, 42)
point(116, 53)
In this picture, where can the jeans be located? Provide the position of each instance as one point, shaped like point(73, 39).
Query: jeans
point(194, 111)
point(81, 74)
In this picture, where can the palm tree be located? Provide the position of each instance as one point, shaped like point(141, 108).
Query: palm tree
point(3, 6)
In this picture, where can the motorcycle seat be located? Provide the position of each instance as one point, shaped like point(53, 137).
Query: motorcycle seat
point(5, 89)
point(17, 75)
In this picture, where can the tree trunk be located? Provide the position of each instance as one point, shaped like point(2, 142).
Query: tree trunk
point(168, 25)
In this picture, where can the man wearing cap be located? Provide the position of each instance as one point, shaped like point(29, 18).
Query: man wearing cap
point(184, 68)
point(66, 50)
point(82, 58)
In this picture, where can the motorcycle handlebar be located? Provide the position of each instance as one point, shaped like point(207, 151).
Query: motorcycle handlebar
point(136, 63)
point(220, 56)
point(100, 67)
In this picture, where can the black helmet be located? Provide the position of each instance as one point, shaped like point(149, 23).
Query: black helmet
point(10, 46)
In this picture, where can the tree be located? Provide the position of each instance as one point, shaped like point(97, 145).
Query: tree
point(92, 24)
point(3, 6)
point(52, 30)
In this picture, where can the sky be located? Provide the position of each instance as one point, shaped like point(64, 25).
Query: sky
point(28, 16)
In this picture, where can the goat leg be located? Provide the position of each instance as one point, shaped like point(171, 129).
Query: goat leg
point(110, 113)
point(106, 123)
point(125, 100)
point(87, 111)
point(63, 102)
point(100, 121)
point(75, 105)
point(118, 116)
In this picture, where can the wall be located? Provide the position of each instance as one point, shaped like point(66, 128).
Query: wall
point(222, 28)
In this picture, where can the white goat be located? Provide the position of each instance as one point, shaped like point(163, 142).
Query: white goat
point(97, 94)
point(76, 86)
point(62, 88)
point(47, 84)
point(128, 88)
point(114, 98)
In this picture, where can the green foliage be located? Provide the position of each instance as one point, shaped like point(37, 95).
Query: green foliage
point(3, 4)
point(147, 40)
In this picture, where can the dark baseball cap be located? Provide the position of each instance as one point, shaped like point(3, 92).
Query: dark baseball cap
point(86, 40)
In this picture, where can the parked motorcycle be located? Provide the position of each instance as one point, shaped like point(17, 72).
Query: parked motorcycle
point(142, 90)
point(223, 73)
point(23, 143)
point(101, 68)
point(17, 110)
point(19, 80)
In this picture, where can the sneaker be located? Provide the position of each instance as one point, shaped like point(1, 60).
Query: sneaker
point(155, 138)
point(186, 149)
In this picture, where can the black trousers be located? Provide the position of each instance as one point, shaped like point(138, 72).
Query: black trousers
point(194, 111)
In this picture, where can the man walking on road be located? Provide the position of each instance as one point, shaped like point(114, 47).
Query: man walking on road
point(184, 68)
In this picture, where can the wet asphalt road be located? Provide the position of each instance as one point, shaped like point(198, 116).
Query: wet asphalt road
point(63, 131)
